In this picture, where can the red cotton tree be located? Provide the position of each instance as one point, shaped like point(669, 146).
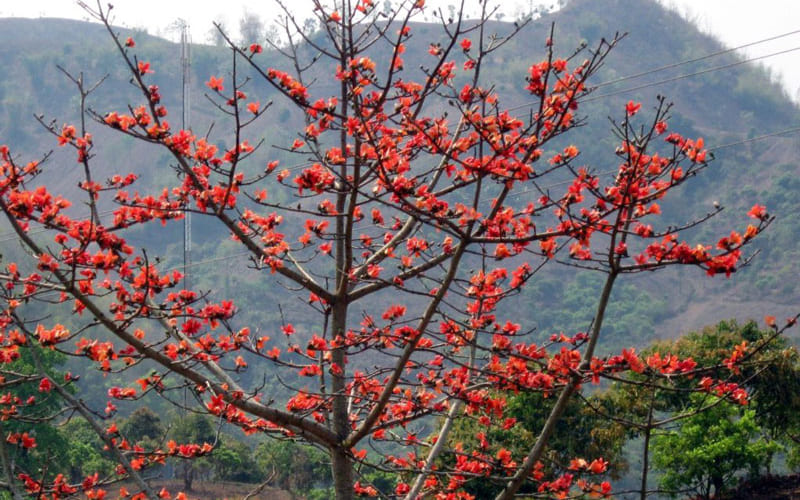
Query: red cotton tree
point(403, 234)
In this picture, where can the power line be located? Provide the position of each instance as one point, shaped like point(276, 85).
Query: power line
point(715, 148)
point(667, 80)
point(676, 78)
point(753, 139)
point(215, 259)
point(687, 75)
point(696, 59)
point(658, 69)
point(655, 70)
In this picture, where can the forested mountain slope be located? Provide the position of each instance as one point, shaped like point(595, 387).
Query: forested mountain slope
point(725, 107)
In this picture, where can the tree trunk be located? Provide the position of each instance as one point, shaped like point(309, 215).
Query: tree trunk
point(719, 484)
point(645, 462)
point(188, 476)
point(646, 452)
point(341, 463)
point(342, 470)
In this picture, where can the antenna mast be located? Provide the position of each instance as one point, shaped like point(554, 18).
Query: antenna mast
point(186, 64)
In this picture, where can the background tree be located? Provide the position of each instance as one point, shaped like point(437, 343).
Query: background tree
point(193, 428)
point(84, 452)
point(709, 448)
point(300, 469)
point(233, 460)
point(143, 424)
point(33, 442)
point(645, 407)
point(251, 28)
point(581, 432)
point(214, 35)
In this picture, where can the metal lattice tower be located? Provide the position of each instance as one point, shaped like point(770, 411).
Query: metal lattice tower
point(186, 64)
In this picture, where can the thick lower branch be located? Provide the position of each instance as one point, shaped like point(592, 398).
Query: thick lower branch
point(400, 364)
point(309, 429)
point(536, 452)
point(96, 427)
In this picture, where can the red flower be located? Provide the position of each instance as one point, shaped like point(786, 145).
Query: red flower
point(45, 385)
point(144, 68)
point(129, 42)
point(632, 108)
point(215, 84)
point(758, 212)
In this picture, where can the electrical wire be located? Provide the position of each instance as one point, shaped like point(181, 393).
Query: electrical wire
point(687, 75)
point(666, 80)
point(696, 59)
point(754, 139)
point(715, 148)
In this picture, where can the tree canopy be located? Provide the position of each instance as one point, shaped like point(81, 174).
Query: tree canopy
point(709, 448)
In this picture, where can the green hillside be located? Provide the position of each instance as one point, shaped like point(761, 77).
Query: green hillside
point(724, 107)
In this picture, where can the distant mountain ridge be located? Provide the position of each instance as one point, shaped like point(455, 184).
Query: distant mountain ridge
point(724, 107)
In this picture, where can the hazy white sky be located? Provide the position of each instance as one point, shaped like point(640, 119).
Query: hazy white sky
point(736, 22)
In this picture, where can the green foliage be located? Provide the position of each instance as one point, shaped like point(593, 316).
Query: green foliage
point(771, 376)
point(711, 447)
point(83, 451)
point(233, 460)
point(580, 433)
point(298, 468)
point(384, 482)
point(193, 428)
point(143, 424)
point(41, 409)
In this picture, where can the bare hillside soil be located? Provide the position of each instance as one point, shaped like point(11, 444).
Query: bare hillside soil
point(767, 488)
point(220, 490)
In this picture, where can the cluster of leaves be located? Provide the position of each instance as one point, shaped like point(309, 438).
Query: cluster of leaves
point(402, 238)
point(581, 432)
point(717, 442)
point(743, 437)
point(720, 439)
